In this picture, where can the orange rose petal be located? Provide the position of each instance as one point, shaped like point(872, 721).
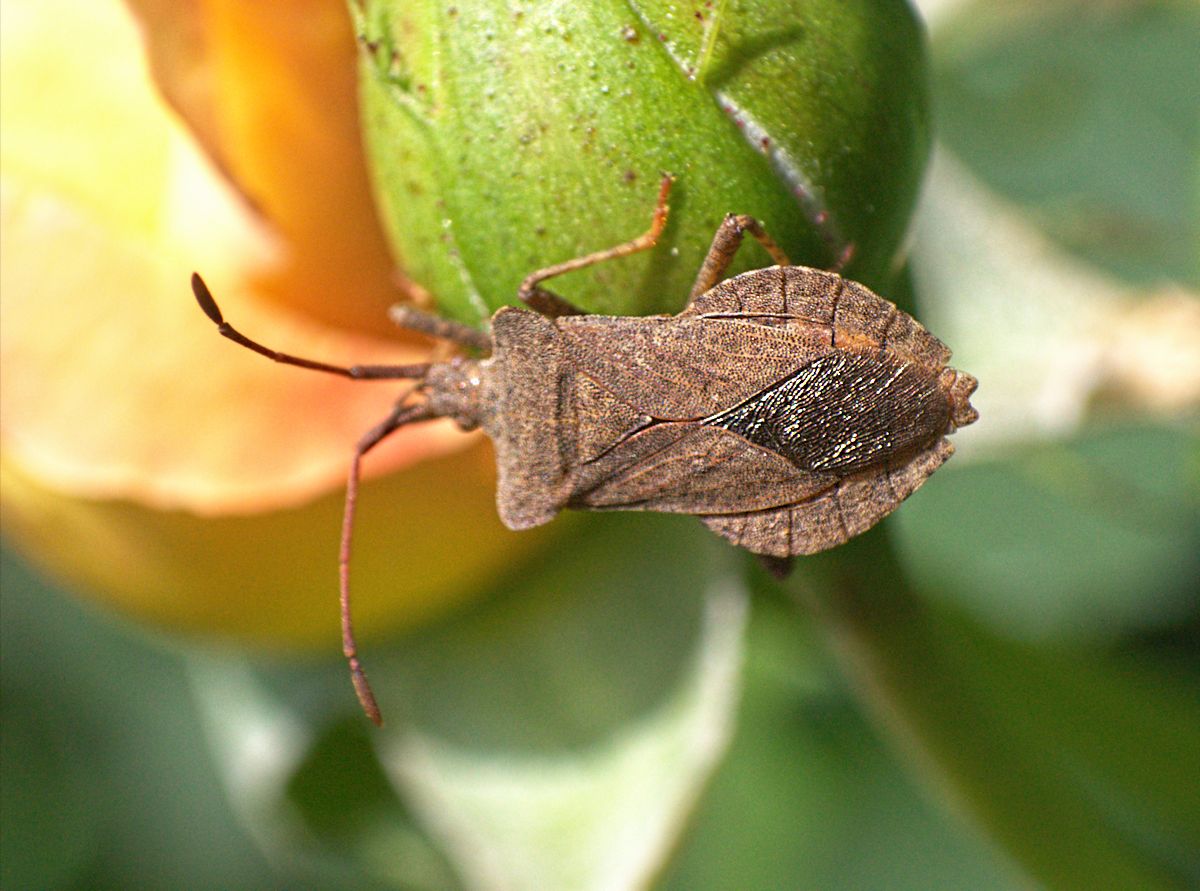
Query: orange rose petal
point(271, 89)
point(124, 417)
point(179, 53)
point(115, 385)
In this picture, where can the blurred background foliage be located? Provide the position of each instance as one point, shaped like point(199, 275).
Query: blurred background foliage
point(997, 689)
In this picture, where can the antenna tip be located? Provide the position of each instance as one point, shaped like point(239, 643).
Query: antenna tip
point(366, 697)
point(205, 298)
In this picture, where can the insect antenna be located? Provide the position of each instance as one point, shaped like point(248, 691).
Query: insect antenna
point(402, 414)
point(356, 372)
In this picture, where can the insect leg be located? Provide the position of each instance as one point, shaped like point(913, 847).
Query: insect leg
point(725, 244)
point(357, 372)
point(547, 303)
point(401, 415)
point(779, 567)
point(550, 304)
point(435, 326)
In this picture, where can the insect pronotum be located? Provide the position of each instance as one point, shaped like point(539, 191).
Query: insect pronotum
point(788, 408)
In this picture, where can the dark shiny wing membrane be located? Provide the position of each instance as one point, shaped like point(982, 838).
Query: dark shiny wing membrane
point(851, 314)
point(845, 508)
point(844, 412)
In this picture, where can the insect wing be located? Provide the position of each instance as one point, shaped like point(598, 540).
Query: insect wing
point(689, 467)
point(851, 315)
point(674, 368)
point(845, 509)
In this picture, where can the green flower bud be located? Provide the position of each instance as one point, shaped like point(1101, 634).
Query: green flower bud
point(506, 138)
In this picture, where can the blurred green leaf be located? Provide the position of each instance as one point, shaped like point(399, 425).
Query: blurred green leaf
point(1081, 765)
point(554, 736)
point(559, 738)
point(809, 797)
point(1032, 670)
point(304, 780)
point(1094, 537)
point(49, 800)
point(107, 782)
point(1066, 125)
point(1085, 114)
point(505, 139)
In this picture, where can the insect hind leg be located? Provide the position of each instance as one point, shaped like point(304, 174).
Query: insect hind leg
point(725, 244)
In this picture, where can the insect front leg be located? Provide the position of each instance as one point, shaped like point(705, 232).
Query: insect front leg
point(779, 567)
point(413, 319)
point(550, 304)
point(725, 245)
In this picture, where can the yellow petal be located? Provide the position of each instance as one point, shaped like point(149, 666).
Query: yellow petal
point(270, 90)
point(146, 458)
point(426, 540)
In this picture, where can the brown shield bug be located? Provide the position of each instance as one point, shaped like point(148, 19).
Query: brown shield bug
point(788, 408)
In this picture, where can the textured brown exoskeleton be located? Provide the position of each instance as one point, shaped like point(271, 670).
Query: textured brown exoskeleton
point(788, 408)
